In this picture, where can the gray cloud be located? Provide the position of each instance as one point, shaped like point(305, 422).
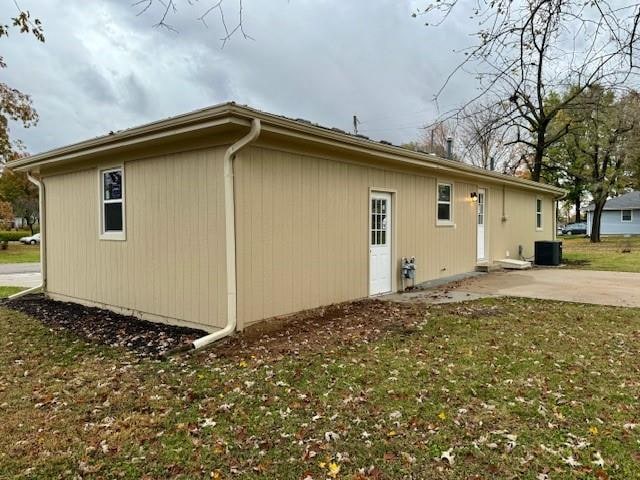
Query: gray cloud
point(107, 69)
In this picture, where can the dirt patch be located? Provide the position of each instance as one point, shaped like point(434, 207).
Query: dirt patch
point(323, 329)
point(144, 338)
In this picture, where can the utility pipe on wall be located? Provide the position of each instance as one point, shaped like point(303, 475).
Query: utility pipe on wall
point(43, 263)
point(230, 229)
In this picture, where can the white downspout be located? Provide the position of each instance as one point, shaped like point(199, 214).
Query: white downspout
point(230, 229)
point(43, 263)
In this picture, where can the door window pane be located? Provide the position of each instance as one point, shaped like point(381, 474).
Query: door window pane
point(378, 222)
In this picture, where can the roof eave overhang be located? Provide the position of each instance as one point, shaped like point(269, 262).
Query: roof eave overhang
point(163, 129)
point(231, 114)
point(310, 132)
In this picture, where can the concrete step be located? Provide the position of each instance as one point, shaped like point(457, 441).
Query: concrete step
point(487, 267)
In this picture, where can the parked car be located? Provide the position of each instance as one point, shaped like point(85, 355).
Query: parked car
point(32, 240)
point(575, 229)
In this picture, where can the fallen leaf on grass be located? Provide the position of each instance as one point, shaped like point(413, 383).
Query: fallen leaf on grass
point(572, 462)
point(448, 455)
point(598, 460)
point(334, 469)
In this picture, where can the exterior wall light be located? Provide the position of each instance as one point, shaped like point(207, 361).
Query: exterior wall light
point(474, 196)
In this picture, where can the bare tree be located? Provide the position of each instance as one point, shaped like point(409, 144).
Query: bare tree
point(165, 9)
point(482, 136)
point(435, 136)
point(526, 49)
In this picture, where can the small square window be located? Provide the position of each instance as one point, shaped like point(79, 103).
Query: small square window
point(627, 215)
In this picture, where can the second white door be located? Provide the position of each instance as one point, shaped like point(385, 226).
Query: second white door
point(380, 243)
point(481, 224)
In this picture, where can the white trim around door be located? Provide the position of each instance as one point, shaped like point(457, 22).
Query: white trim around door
point(380, 238)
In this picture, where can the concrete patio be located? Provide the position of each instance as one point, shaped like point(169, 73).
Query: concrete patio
point(619, 289)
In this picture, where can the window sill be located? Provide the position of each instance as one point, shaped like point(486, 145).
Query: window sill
point(445, 224)
point(539, 229)
point(118, 237)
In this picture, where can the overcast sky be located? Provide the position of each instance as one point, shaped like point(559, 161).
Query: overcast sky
point(104, 68)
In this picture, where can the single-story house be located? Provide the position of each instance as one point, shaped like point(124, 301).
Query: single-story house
point(226, 216)
point(621, 215)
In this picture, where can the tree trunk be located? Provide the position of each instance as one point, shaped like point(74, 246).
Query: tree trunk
point(597, 217)
point(577, 204)
point(536, 172)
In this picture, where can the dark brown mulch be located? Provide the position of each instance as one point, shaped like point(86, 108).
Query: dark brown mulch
point(146, 339)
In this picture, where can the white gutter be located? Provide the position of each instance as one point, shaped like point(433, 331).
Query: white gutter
point(230, 229)
point(43, 263)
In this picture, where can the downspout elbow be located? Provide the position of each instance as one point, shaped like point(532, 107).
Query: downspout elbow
point(230, 229)
point(43, 264)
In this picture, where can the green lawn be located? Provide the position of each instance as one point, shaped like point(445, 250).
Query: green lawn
point(507, 388)
point(6, 291)
point(18, 253)
point(606, 255)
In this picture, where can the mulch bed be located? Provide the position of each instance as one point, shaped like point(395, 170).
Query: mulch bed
point(319, 330)
point(146, 339)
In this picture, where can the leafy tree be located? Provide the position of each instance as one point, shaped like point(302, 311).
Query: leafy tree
point(594, 154)
point(566, 165)
point(22, 195)
point(15, 105)
point(6, 215)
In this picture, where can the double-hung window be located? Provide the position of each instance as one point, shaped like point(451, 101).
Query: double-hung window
point(112, 219)
point(538, 214)
point(445, 203)
point(627, 215)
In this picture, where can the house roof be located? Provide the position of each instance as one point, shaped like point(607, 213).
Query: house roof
point(628, 201)
point(232, 114)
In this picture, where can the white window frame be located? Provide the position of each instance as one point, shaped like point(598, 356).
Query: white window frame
point(622, 215)
point(539, 214)
point(111, 235)
point(449, 222)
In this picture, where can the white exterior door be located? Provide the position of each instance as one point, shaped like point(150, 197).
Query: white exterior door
point(380, 243)
point(481, 224)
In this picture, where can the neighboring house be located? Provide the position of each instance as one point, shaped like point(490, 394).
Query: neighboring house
point(229, 212)
point(621, 215)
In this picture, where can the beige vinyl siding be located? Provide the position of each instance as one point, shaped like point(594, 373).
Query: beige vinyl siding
point(303, 226)
point(171, 265)
point(520, 225)
point(302, 231)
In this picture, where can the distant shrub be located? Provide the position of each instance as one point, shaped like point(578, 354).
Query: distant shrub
point(14, 235)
